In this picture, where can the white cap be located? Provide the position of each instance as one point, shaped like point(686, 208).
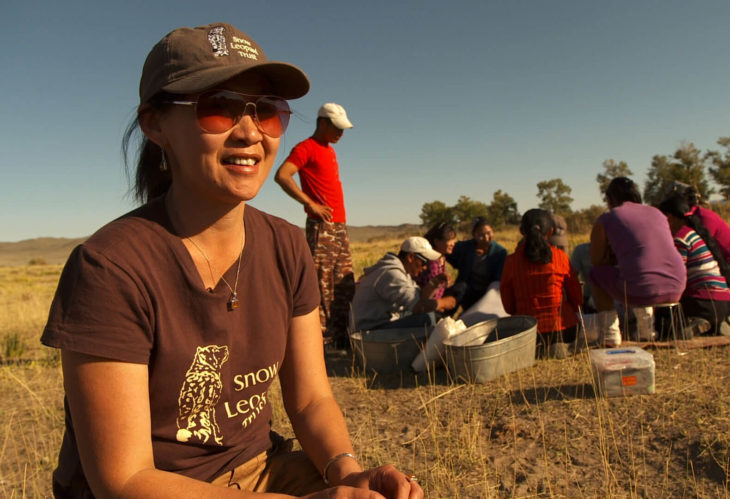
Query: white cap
point(336, 114)
point(421, 246)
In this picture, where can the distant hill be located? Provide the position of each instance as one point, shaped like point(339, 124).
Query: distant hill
point(55, 250)
point(51, 250)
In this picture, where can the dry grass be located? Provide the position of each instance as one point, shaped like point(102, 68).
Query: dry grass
point(538, 432)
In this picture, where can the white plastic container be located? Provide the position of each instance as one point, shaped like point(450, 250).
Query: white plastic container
point(623, 371)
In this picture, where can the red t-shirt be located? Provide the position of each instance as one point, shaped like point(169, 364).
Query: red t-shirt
point(319, 176)
point(538, 289)
point(132, 293)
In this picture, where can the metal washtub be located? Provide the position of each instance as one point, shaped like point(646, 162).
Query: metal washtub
point(492, 348)
point(388, 350)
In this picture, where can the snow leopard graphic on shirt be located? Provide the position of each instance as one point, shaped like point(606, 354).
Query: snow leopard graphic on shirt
point(199, 394)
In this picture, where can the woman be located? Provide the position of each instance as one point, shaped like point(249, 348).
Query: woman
point(479, 261)
point(716, 227)
point(634, 262)
point(539, 281)
point(442, 238)
point(707, 295)
point(174, 319)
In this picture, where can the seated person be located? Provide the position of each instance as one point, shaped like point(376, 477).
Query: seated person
point(580, 260)
point(479, 261)
point(388, 297)
point(634, 262)
point(559, 237)
point(539, 281)
point(707, 295)
point(442, 238)
point(716, 227)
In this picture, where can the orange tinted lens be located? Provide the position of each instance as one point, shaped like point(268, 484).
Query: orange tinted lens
point(214, 123)
point(273, 116)
point(219, 111)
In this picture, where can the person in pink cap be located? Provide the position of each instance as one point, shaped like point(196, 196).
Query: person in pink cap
point(174, 320)
point(326, 226)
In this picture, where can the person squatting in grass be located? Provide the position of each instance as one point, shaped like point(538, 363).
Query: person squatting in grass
point(326, 226)
point(174, 320)
point(634, 262)
point(387, 295)
point(707, 295)
point(539, 281)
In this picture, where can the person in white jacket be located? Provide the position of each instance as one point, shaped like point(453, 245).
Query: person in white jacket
point(388, 296)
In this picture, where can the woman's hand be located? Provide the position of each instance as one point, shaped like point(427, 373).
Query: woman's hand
point(388, 481)
point(438, 280)
point(343, 492)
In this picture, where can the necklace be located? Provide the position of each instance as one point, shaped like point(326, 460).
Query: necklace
point(233, 300)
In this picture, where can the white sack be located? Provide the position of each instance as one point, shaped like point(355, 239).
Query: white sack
point(433, 351)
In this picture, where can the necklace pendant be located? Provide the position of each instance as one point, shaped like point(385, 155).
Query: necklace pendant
point(232, 303)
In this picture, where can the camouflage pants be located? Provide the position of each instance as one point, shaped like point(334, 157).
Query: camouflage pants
point(330, 248)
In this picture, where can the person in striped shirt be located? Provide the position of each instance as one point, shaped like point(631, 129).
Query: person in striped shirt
point(707, 294)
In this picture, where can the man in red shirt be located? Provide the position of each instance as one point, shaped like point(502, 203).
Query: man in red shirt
point(321, 194)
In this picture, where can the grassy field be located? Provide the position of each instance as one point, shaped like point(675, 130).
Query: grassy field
point(538, 432)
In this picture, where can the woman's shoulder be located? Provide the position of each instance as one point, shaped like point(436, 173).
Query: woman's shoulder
point(139, 228)
point(560, 257)
point(276, 225)
point(274, 232)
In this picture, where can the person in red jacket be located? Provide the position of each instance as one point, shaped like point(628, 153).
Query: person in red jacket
point(539, 281)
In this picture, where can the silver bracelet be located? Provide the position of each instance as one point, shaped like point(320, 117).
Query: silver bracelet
point(332, 460)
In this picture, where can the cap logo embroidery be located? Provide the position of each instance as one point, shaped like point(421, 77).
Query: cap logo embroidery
point(244, 48)
point(218, 41)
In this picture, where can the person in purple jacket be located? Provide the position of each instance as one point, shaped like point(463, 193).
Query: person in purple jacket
point(634, 262)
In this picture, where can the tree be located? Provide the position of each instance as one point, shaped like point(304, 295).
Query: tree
point(582, 220)
point(685, 165)
point(436, 212)
point(721, 171)
point(554, 196)
point(502, 210)
point(460, 215)
point(466, 210)
point(611, 170)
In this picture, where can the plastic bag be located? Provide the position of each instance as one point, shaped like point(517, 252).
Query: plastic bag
point(434, 349)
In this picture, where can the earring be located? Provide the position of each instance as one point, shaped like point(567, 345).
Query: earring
point(163, 163)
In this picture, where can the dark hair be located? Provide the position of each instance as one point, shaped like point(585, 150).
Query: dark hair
point(403, 254)
point(149, 180)
point(622, 189)
point(691, 196)
point(442, 231)
point(321, 119)
point(478, 223)
point(535, 226)
point(678, 207)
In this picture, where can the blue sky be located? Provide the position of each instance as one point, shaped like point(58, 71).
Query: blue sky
point(448, 98)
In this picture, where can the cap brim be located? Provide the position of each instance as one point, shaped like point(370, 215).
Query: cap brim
point(287, 81)
point(430, 254)
point(341, 123)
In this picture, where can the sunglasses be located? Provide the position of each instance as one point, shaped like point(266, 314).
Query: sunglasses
point(421, 258)
point(218, 111)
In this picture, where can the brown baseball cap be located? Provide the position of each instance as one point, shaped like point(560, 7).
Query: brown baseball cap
point(189, 60)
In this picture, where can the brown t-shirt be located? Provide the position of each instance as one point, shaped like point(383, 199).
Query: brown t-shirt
point(132, 293)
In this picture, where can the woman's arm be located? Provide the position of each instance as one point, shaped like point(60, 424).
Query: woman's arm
point(601, 253)
point(317, 420)
point(109, 403)
point(507, 289)
point(573, 290)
